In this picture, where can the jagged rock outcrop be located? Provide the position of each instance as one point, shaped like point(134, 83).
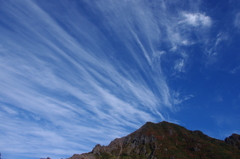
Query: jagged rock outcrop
point(233, 140)
point(165, 140)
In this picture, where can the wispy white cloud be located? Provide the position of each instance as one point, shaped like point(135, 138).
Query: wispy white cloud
point(66, 82)
point(179, 98)
point(212, 51)
point(235, 70)
point(8, 110)
point(180, 63)
point(197, 19)
point(237, 21)
point(66, 90)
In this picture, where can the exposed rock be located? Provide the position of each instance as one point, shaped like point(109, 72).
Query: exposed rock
point(170, 132)
point(233, 140)
point(165, 140)
point(97, 149)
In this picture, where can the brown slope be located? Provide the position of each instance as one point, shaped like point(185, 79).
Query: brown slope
point(163, 140)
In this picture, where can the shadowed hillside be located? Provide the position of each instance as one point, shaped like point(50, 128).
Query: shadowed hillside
point(165, 140)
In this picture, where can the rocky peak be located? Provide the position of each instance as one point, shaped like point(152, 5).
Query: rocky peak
point(165, 140)
point(233, 140)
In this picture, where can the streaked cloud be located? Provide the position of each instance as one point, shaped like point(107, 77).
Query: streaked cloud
point(237, 21)
point(180, 97)
point(62, 92)
point(212, 49)
point(71, 75)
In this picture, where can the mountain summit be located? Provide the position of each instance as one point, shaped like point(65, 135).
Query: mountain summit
point(166, 140)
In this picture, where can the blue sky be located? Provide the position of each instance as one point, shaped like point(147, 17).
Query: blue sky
point(77, 73)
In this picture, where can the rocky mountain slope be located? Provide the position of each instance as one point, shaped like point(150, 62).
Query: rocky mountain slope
point(233, 140)
point(166, 140)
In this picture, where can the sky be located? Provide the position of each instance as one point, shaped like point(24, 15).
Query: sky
point(78, 73)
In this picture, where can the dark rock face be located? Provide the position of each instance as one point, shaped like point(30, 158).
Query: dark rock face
point(233, 140)
point(165, 140)
point(140, 144)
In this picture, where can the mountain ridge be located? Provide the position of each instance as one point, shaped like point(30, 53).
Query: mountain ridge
point(165, 140)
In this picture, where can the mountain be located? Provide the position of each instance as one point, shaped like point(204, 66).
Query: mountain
point(233, 140)
point(166, 140)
